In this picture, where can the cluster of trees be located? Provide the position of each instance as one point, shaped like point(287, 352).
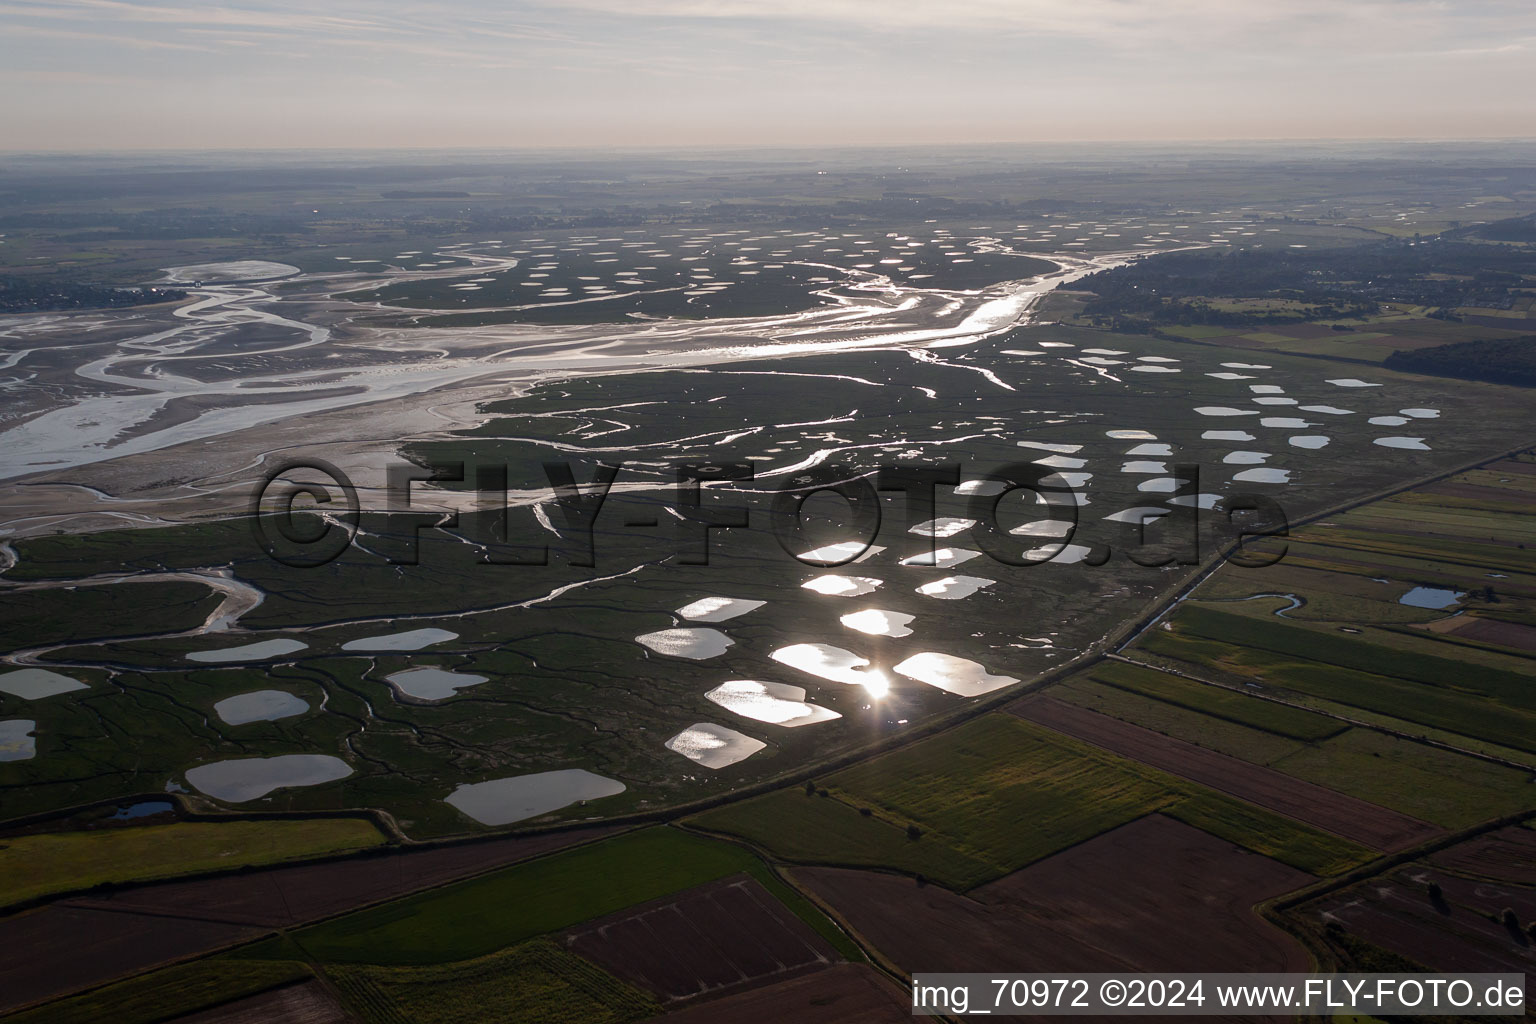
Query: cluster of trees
point(29, 295)
point(1498, 361)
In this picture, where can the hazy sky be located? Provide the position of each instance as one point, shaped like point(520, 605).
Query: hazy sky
point(106, 74)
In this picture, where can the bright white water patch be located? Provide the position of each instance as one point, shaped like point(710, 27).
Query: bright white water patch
point(1047, 446)
point(842, 586)
point(503, 801)
point(714, 746)
point(1152, 449)
point(1245, 458)
point(1266, 389)
point(410, 640)
point(879, 622)
point(251, 777)
point(830, 663)
point(37, 683)
point(1144, 467)
point(1248, 366)
point(1131, 435)
point(1231, 376)
point(1274, 400)
point(1387, 421)
point(1154, 369)
point(1139, 514)
point(1352, 382)
point(1286, 422)
point(718, 609)
point(944, 526)
point(1421, 414)
point(1162, 484)
point(1224, 410)
point(1157, 359)
point(953, 588)
point(1227, 435)
point(1061, 462)
point(843, 551)
point(1431, 597)
point(1058, 554)
point(1196, 500)
point(1311, 440)
point(249, 652)
point(1065, 479)
point(1264, 475)
point(432, 683)
point(1106, 352)
point(774, 703)
point(1328, 410)
point(260, 706)
point(1043, 528)
point(1413, 444)
point(943, 558)
point(16, 740)
point(696, 644)
point(959, 676)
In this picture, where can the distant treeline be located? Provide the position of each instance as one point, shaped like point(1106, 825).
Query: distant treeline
point(1497, 361)
point(1515, 229)
point(1342, 282)
point(24, 295)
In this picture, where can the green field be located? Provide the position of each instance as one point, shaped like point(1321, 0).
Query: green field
point(1224, 704)
point(37, 865)
point(477, 917)
point(168, 993)
point(994, 795)
point(536, 982)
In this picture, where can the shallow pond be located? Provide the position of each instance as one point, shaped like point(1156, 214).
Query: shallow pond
point(1431, 597)
point(953, 588)
point(842, 586)
point(696, 644)
point(775, 703)
point(249, 652)
point(410, 640)
point(879, 622)
point(427, 683)
point(714, 746)
point(16, 740)
point(36, 683)
point(249, 778)
point(718, 609)
point(259, 706)
point(503, 801)
point(956, 675)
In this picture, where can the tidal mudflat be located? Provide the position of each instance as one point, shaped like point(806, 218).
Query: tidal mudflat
point(503, 801)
